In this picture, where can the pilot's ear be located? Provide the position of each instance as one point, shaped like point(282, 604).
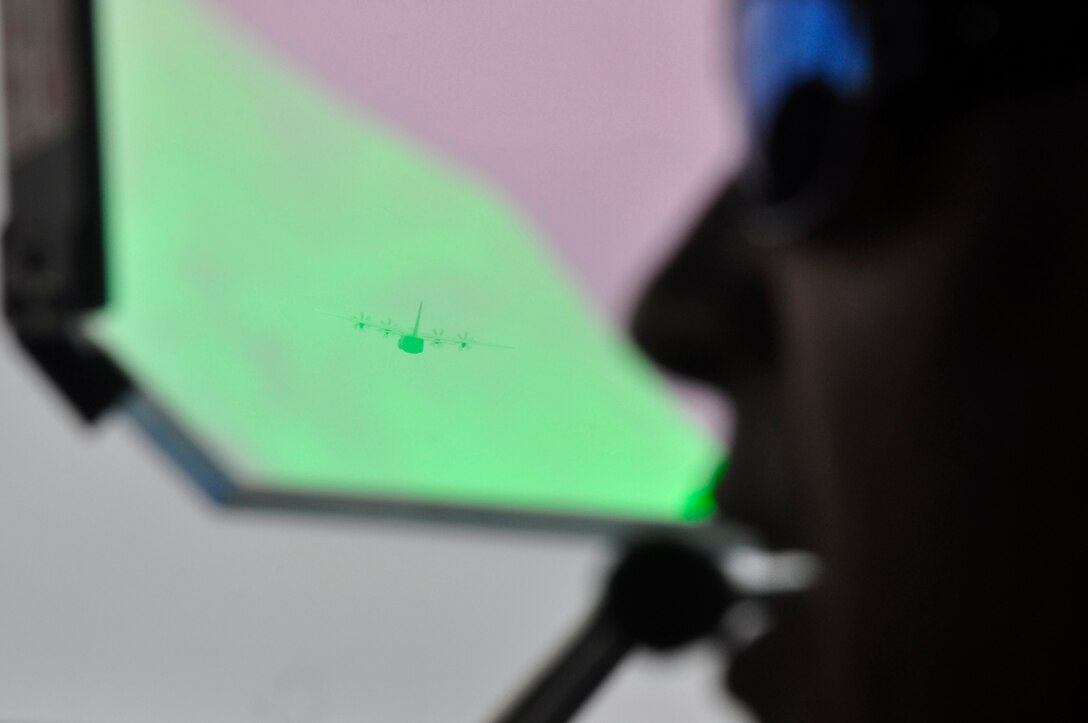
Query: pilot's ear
point(706, 313)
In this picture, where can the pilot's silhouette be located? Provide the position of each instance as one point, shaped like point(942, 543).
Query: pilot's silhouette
point(895, 294)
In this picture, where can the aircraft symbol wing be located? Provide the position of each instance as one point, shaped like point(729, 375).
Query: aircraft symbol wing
point(477, 342)
point(388, 328)
point(462, 342)
point(438, 340)
point(364, 322)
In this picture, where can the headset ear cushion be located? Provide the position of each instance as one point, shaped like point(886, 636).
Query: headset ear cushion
point(801, 168)
point(795, 149)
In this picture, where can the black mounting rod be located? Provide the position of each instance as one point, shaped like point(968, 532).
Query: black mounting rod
point(662, 595)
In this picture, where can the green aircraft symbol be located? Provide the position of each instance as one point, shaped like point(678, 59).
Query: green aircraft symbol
point(413, 341)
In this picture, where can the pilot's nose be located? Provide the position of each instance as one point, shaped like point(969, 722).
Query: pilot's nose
point(706, 313)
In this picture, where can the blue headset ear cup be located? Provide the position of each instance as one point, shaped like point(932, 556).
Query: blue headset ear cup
point(809, 71)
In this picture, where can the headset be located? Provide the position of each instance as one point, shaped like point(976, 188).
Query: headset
point(817, 74)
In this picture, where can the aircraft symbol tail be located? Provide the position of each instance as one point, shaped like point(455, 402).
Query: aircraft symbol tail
point(419, 315)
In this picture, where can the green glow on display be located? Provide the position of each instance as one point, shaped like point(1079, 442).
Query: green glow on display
point(243, 198)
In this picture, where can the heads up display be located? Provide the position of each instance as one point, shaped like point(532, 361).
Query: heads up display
point(313, 308)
